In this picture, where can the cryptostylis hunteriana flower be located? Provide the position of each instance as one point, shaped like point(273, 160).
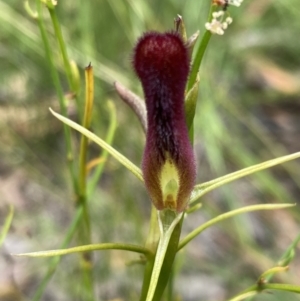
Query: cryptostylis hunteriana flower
point(161, 61)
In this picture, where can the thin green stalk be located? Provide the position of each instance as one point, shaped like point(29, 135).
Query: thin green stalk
point(199, 54)
point(59, 91)
point(62, 46)
point(63, 49)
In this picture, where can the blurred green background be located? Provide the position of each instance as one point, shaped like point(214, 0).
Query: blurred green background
point(248, 112)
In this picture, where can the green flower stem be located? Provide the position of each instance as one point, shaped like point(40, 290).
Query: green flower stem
point(168, 220)
point(59, 91)
point(63, 49)
point(199, 54)
point(92, 183)
point(147, 278)
point(55, 261)
point(227, 215)
point(190, 105)
point(89, 248)
point(167, 268)
point(7, 224)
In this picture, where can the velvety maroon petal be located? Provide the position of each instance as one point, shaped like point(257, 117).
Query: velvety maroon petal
point(161, 61)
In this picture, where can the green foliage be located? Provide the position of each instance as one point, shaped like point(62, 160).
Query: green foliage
point(248, 82)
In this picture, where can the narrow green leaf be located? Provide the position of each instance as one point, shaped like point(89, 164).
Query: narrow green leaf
point(227, 215)
point(256, 289)
point(201, 189)
point(282, 287)
point(89, 248)
point(243, 296)
point(122, 159)
point(6, 225)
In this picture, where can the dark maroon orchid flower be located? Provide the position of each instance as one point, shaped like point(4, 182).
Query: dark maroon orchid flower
point(161, 61)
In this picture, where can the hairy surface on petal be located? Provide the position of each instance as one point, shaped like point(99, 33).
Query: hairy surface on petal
point(162, 64)
point(161, 61)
